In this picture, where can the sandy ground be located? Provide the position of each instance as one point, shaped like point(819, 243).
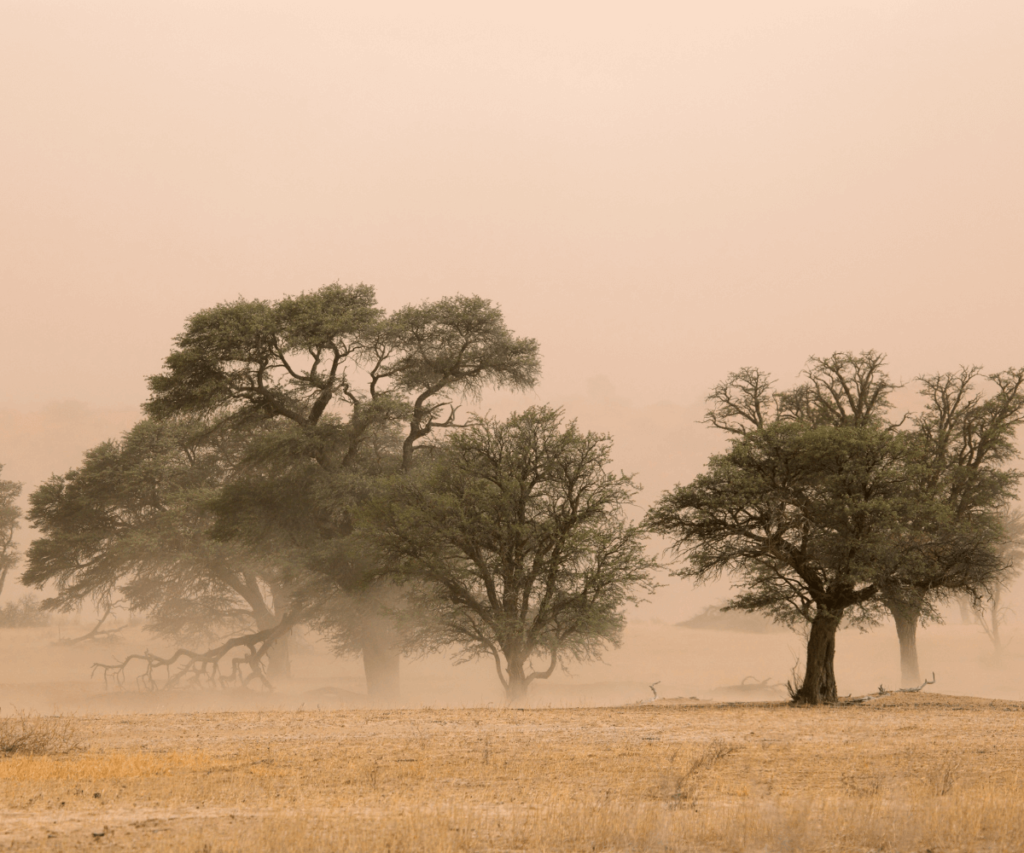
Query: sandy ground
point(317, 780)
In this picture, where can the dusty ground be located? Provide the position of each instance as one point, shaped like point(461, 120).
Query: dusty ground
point(906, 772)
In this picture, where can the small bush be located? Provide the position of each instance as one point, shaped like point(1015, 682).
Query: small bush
point(24, 613)
point(31, 734)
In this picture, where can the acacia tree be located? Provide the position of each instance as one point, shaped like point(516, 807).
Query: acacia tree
point(130, 525)
point(342, 381)
point(817, 508)
point(10, 513)
point(514, 538)
point(967, 439)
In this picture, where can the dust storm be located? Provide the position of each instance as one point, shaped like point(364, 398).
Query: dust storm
point(394, 396)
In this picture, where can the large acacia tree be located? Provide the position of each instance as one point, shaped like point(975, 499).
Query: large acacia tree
point(514, 539)
point(351, 391)
point(822, 508)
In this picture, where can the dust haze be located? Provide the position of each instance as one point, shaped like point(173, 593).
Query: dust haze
point(659, 196)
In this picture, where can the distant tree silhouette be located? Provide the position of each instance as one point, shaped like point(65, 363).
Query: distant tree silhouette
point(967, 439)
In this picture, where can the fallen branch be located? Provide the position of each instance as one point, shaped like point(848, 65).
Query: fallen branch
point(751, 686)
point(203, 669)
point(882, 691)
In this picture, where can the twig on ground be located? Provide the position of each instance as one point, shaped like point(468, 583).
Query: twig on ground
point(882, 691)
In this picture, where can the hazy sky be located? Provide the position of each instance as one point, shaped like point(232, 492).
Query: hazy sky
point(659, 193)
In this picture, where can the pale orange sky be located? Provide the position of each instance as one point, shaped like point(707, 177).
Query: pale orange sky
point(660, 193)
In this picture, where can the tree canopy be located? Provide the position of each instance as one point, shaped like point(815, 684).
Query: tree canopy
point(131, 525)
point(298, 357)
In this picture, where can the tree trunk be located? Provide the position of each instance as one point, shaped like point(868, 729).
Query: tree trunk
point(967, 616)
point(279, 658)
point(518, 684)
point(907, 617)
point(997, 639)
point(993, 620)
point(819, 685)
point(381, 658)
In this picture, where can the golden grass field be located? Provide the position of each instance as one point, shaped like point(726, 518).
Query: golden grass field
point(901, 772)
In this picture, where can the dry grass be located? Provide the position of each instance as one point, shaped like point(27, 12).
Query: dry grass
point(34, 734)
point(903, 773)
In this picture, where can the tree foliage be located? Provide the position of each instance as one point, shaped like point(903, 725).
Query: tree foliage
point(966, 435)
point(298, 357)
point(132, 524)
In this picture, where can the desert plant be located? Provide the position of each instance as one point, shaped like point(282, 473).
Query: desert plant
point(34, 734)
point(686, 784)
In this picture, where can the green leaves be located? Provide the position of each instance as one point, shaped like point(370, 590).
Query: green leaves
point(461, 343)
point(131, 524)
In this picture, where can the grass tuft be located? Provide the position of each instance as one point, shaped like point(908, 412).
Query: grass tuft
point(33, 734)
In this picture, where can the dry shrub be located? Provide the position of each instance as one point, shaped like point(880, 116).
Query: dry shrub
point(33, 734)
point(947, 775)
